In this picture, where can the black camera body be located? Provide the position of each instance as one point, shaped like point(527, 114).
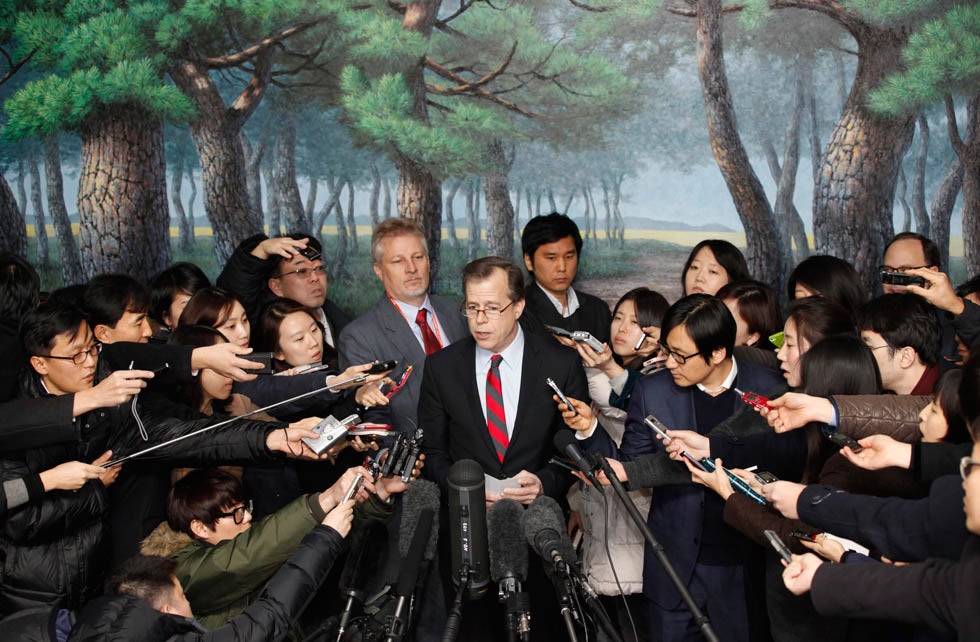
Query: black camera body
point(900, 278)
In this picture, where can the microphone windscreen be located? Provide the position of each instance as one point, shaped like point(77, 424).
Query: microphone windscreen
point(544, 521)
point(420, 495)
point(508, 550)
point(562, 439)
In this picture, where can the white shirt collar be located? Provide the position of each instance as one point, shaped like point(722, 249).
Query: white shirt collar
point(509, 353)
point(570, 297)
point(726, 384)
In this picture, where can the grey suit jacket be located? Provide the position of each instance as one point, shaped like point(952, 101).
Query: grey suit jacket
point(383, 333)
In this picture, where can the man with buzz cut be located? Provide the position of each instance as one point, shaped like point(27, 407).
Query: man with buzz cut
point(552, 245)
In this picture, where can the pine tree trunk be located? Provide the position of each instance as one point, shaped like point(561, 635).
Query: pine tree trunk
point(919, 178)
point(310, 205)
point(333, 196)
point(284, 177)
point(13, 228)
point(216, 130)
point(176, 185)
point(253, 170)
point(351, 222)
point(500, 211)
point(854, 196)
point(471, 219)
point(785, 210)
point(71, 266)
point(607, 206)
point(968, 152)
point(375, 194)
point(37, 205)
point(191, 200)
point(450, 218)
point(517, 218)
point(386, 204)
point(620, 224)
point(900, 192)
point(942, 205)
point(122, 193)
point(22, 185)
point(340, 260)
point(767, 258)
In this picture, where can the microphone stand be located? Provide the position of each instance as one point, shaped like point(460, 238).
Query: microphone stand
point(518, 606)
point(700, 619)
point(563, 581)
point(456, 615)
point(221, 424)
point(592, 602)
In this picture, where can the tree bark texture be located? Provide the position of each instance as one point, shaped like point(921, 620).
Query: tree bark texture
point(272, 208)
point(71, 266)
point(284, 177)
point(122, 193)
point(785, 209)
point(900, 193)
point(854, 195)
point(216, 130)
point(450, 218)
point(766, 257)
point(351, 222)
point(13, 228)
point(919, 178)
point(943, 202)
point(617, 197)
point(191, 199)
point(968, 152)
point(184, 240)
point(340, 261)
point(22, 185)
point(333, 197)
point(310, 206)
point(37, 205)
point(419, 193)
point(500, 211)
point(473, 219)
point(253, 171)
point(386, 203)
point(375, 194)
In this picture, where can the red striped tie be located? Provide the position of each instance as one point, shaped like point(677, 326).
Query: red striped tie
point(496, 419)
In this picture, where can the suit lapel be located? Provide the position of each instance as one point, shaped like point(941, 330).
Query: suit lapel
point(532, 379)
point(399, 332)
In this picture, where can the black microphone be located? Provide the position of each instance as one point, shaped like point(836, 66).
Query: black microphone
point(508, 564)
point(468, 526)
point(564, 441)
point(544, 530)
point(416, 543)
point(361, 566)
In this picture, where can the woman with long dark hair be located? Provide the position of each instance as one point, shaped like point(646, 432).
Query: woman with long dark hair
point(711, 264)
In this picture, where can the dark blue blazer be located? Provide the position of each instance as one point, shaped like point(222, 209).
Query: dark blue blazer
point(677, 512)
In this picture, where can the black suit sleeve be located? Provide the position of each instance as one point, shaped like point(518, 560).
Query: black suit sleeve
point(32, 423)
point(435, 420)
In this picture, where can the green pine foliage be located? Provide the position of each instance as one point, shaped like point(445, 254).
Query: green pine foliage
point(942, 57)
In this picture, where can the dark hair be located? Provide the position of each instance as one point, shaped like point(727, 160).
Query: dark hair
point(904, 320)
point(313, 244)
point(185, 278)
point(203, 494)
point(147, 577)
point(197, 336)
point(209, 306)
point(482, 269)
point(969, 287)
point(929, 248)
point(817, 318)
point(707, 320)
point(109, 296)
point(549, 228)
point(836, 365)
point(40, 326)
point(20, 287)
point(728, 257)
point(650, 309)
point(266, 336)
point(948, 398)
point(758, 304)
point(830, 277)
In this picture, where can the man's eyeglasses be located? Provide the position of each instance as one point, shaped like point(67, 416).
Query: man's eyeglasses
point(492, 311)
point(888, 268)
point(238, 514)
point(304, 273)
point(79, 357)
point(966, 464)
point(677, 356)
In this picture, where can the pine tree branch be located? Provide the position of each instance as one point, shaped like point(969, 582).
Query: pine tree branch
point(240, 57)
point(585, 7)
point(14, 67)
point(465, 86)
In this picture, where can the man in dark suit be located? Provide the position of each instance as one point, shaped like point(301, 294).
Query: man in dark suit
point(407, 323)
point(695, 391)
point(486, 398)
point(551, 245)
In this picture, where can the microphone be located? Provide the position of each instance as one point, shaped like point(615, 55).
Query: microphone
point(564, 441)
point(416, 544)
point(361, 566)
point(508, 564)
point(468, 526)
point(544, 530)
point(468, 531)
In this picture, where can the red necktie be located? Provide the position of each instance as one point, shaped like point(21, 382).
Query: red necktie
point(496, 419)
point(429, 340)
